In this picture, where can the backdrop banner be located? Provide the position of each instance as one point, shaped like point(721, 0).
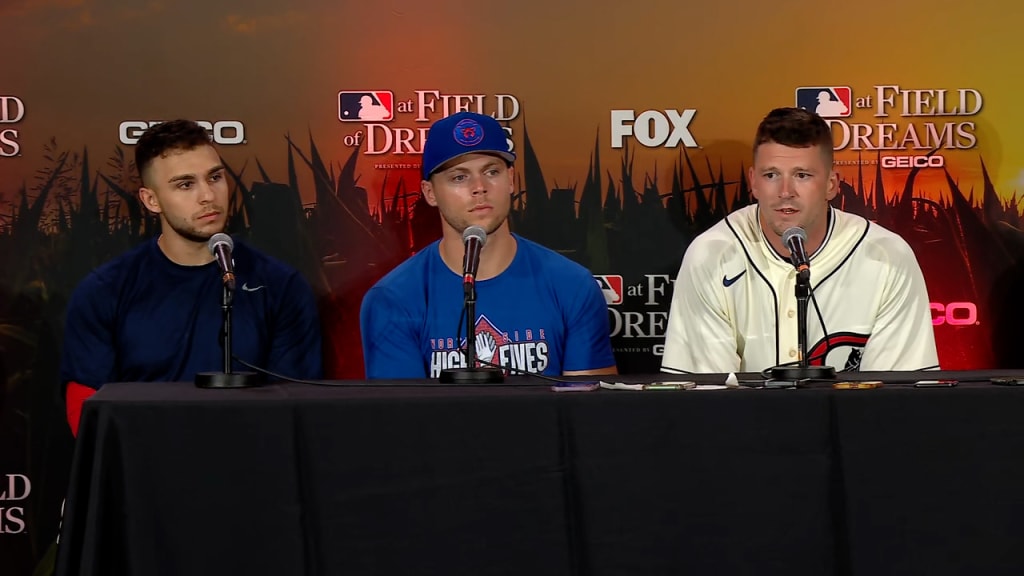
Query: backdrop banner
point(633, 125)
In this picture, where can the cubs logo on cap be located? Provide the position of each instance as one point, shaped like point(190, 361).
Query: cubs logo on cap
point(460, 134)
point(468, 132)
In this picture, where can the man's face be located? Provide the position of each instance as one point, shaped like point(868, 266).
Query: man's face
point(793, 187)
point(188, 189)
point(472, 190)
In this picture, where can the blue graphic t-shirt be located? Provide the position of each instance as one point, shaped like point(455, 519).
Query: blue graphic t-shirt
point(543, 314)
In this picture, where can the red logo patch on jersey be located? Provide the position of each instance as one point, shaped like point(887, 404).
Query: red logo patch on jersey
point(842, 350)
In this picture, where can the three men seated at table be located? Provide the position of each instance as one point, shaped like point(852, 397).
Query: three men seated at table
point(153, 314)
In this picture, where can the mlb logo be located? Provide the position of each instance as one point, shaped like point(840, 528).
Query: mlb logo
point(826, 101)
point(611, 287)
point(366, 106)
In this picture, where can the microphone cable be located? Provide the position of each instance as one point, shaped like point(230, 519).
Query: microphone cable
point(410, 383)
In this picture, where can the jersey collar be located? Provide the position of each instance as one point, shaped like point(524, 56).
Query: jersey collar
point(830, 218)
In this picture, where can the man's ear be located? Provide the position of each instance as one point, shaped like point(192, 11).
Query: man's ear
point(750, 179)
point(149, 200)
point(833, 185)
point(428, 192)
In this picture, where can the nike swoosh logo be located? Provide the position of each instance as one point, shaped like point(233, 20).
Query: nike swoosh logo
point(726, 281)
point(247, 289)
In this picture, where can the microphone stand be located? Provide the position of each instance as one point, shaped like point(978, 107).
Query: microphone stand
point(802, 371)
point(472, 374)
point(226, 378)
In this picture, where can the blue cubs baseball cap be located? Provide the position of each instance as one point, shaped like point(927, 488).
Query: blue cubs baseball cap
point(463, 133)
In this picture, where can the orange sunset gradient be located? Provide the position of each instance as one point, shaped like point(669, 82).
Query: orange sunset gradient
point(83, 66)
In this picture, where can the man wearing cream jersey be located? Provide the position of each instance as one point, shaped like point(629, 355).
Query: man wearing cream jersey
point(734, 306)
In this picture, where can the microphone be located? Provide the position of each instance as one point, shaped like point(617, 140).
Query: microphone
point(785, 375)
point(220, 246)
point(794, 238)
point(473, 238)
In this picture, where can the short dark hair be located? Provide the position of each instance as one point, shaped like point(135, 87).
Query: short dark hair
point(161, 138)
point(797, 128)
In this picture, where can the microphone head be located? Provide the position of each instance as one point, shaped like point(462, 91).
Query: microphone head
point(794, 232)
point(474, 232)
point(220, 239)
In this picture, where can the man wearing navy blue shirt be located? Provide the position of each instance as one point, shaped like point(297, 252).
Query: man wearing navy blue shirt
point(153, 314)
point(537, 311)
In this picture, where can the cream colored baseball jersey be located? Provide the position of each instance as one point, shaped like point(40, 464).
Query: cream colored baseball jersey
point(734, 306)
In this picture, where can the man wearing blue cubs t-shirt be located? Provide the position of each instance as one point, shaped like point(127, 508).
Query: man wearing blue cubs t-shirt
point(153, 314)
point(536, 310)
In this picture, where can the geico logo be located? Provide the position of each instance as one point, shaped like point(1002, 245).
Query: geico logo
point(223, 132)
point(954, 313)
point(913, 161)
point(652, 128)
point(12, 109)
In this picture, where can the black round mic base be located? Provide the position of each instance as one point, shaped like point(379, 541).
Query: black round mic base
point(472, 376)
point(803, 373)
point(228, 380)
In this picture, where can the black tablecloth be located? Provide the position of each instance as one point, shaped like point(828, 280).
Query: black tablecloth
point(301, 479)
point(933, 480)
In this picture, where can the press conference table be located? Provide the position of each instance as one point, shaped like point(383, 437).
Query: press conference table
point(297, 479)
